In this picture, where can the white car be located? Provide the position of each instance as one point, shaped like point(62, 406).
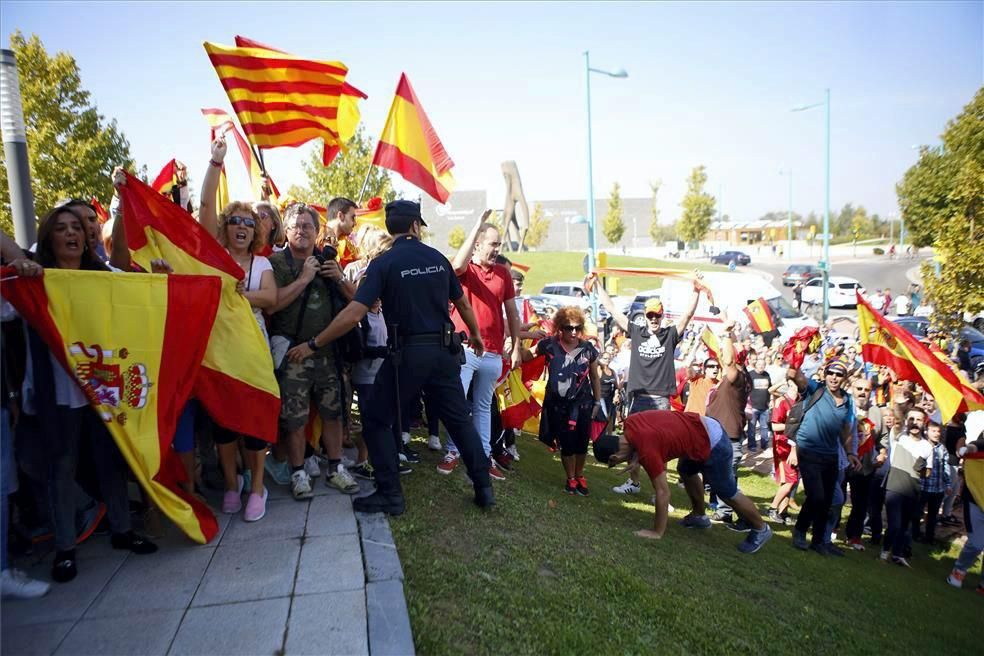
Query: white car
point(841, 291)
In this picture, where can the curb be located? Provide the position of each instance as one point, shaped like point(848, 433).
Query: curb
point(386, 605)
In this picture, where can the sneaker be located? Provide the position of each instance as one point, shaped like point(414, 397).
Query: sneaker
point(311, 467)
point(132, 542)
point(885, 556)
point(495, 472)
point(406, 437)
point(799, 540)
point(514, 452)
point(504, 460)
point(833, 550)
point(741, 526)
point(695, 521)
point(434, 443)
point(571, 486)
point(955, 579)
point(65, 567)
point(17, 585)
point(855, 544)
point(255, 506)
point(628, 487)
point(278, 470)
point(774, 517)
point(403, 469)
point(342, 481)
point(232, 502)
point(88, 521)
point(363, 470)
point(447, 465)
point(300, 485)
point(720, 516)
point(409, 455)
point(901, 562)
point(582, 486)
point(755, 540)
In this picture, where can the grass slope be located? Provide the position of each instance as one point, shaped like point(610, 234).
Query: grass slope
point(550, 574)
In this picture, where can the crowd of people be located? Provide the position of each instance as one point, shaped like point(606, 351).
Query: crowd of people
point(647, 391)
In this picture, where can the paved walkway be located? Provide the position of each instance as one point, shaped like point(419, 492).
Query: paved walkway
point(309, 578)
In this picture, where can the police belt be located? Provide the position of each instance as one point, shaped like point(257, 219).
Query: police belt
point(422, 339)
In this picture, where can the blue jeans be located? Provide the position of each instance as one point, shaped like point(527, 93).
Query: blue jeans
point(975, 539)
point(760, 419)
point(642, 402)
point(481, 373)
point(836, 506)
point(716, 500)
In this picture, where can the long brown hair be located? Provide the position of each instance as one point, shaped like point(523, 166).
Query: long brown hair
point(45, 255)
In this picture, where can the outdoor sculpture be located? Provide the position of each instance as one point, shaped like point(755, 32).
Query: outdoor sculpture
point(515, 224)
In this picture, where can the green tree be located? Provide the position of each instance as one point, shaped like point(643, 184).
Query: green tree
point(942, 202)
point(656, 231)
point(456, 237)
point(613, 226)
point(72, 148)
point(347, 173)
point(698, 208)
point(539, 226)
point(860, 224)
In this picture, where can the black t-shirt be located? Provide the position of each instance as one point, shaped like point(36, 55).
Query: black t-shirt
point(651, 368)
point(608, 384)
point(415, 283)
point(759, 394)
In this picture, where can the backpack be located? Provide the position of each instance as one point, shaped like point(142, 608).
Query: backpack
point(796, 413)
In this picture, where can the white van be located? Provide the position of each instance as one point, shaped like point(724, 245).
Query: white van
point(732, 292)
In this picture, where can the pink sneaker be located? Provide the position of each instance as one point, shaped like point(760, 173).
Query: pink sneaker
point(255, 507)
point(232, 502)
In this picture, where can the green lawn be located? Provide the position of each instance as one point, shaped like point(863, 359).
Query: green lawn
point(546, 573)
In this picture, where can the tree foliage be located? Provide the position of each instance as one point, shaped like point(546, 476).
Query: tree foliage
point(613, 227)
point(72, 149)
point(656, 231)
point(698, 208)
point(456, 237)
point(942, 198)
point(539, 227)
point(346, 174)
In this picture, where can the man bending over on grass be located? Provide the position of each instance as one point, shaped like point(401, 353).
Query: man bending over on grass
point(654, 437)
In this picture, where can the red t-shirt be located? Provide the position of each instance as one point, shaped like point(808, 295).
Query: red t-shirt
point(662, 435)
point(487, 290)
point(779, 414)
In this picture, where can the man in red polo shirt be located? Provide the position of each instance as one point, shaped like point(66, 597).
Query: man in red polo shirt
point(489, 289)
point(654, 437)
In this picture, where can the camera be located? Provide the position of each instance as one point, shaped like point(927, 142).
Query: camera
point(328, 252)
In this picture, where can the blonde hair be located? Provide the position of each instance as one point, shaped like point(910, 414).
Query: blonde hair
point(374, 242)
point(239, 208)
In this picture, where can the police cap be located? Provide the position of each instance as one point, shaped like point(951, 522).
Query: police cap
point(400, 215)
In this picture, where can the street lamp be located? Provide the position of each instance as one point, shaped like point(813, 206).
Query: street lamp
point(592, 239)
point(825, 262)
point(789, 214)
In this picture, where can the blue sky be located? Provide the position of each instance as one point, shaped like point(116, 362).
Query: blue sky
point(709, 83)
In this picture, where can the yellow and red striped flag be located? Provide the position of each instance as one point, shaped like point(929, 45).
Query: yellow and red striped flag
point(516, 402)
point(974, 474)
point(236, 383)
point(101, 212)
point(166, 179)
point(410, 146)
point(283, 100)
point(222, 125)
point(137, 369)
point(885, 343)
point(372, 214)
point(711, 342)
point(759, 316)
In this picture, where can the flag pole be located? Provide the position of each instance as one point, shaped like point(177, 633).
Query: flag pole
point(259, 158)
point(365, 184)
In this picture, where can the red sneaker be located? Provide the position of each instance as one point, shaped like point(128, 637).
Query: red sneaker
point(582, 486)
point(495, 472)
point(571, 486)
point(504, 460)
point(447, 465)
point(855, 544)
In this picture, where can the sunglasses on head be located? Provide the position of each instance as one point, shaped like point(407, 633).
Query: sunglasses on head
point(572, 329)
point(247, 221)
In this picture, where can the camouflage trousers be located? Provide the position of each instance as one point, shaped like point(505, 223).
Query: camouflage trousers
point(313, 381)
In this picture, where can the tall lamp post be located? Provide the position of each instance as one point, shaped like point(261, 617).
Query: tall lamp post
point(789, 214)
point(592, 232)
point(15, 151)
point(825, 262)
point(568, 222)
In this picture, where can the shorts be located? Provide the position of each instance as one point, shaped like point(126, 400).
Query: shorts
point(315, 379)
point(225, 436)
point(783, 472)
point(573, 440)
point(718, 469)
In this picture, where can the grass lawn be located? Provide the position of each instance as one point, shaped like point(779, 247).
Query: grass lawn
point(546, 573)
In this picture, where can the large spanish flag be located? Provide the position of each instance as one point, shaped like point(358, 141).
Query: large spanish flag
point(236, 383)
point(516, 402)
point(410, 146)
point(166, 178)
point(134, 342)
point(885, 343)
point(759, 316)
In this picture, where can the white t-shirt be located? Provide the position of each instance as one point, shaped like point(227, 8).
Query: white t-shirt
point(254, 279)
point(902, 304)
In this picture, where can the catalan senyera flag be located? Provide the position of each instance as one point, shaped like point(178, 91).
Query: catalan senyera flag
point(283, 100)
point(516, 403)
point(885, 343)
point(759, 316)
point(236, 382)
point(134, 343)
point(410, 146)
point(166, 179)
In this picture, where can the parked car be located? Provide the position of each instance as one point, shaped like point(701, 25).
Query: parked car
point(797, 273)
point(556, 295)
point(727, 257)
point(919, 326)
point(841, 291)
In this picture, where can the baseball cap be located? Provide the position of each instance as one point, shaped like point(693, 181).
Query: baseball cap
point(400, 215)
point(654, 305)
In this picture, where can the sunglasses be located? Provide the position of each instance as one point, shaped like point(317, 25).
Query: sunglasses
point(862, 389)
point(572, 329)
point(836, 373)
point(712, 366)
point(247, 221)
point(653, 315)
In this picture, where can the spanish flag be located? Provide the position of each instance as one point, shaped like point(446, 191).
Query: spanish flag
point(166, 179)
point(516, 402)
point(974, 475)
point(885, 343)
point(410, 146)
point(372, 214)
point(101, 212)
point(806, 340)
point(711, 342)
point(222, 124)
point(134, 343)
point(759, 316)
point(236, 383)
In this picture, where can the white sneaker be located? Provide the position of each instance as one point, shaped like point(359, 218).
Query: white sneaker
point(406, 437)
point(434, 443)
point(628, 487)
point(17, 585)
point(514, 452)
point(311, 466)
point(348, 463)
point(300, 485)
point(342, 481)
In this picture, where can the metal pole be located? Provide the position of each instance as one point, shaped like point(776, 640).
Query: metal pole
point(15, 152)
point(826, 214)
point(365, 183)
point(592, 245)
point(901, 232)
point(789, 216)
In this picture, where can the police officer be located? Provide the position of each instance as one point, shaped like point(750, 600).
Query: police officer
point(415, 283)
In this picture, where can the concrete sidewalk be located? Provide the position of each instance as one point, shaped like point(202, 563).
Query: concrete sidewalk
point(309, 578)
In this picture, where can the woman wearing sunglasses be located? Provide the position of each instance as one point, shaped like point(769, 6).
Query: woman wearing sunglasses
point(236, 229)
point(573, 394)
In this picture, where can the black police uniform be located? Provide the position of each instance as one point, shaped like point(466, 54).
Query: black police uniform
point(415, 283)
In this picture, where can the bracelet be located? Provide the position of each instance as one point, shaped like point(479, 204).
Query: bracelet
point(313, 345)
point(217, 165)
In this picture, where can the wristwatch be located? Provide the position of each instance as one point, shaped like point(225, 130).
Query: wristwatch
point(313, 345)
